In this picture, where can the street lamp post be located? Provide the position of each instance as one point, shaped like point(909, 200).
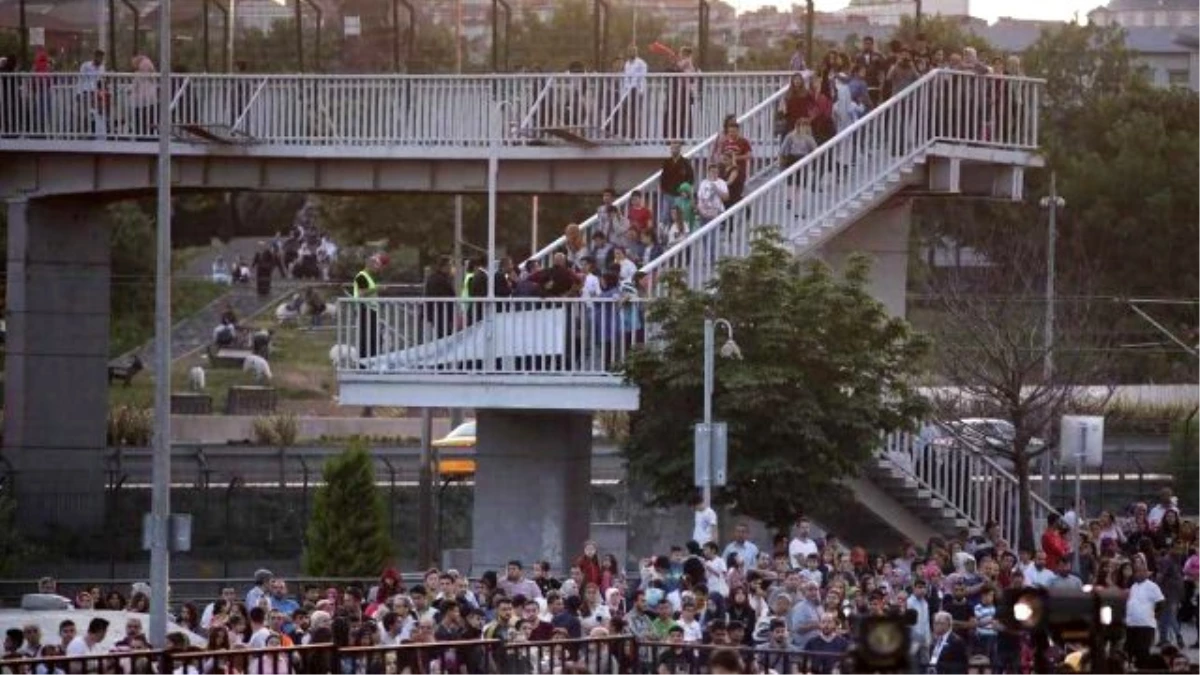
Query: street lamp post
point(160, 500)
point(1052, 203)
point(728, 350)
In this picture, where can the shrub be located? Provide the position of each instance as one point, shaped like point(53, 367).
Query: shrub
point(130, 426)
point(348, 531)
point(280, 430)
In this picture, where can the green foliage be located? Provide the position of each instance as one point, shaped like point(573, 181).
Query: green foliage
point(348, 530)
point(280, 430)
point(825, 370)
point(1185, 460)
point(1081, 65)
point(15, 549)
point(941, 32)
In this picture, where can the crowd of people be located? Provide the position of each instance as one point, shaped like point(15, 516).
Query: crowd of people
point(795, 605)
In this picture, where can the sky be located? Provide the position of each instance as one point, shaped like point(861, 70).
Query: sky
point(1061, 10)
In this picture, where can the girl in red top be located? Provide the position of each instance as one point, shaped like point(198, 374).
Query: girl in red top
point(589, 564)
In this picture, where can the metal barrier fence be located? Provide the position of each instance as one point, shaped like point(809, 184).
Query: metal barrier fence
point(597, 656)
point(619, 654)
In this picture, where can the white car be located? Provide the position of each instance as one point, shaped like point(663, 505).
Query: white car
point(988, 435)
point(49, 619)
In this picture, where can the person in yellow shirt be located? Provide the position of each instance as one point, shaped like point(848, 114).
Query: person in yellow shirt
point(366, 285)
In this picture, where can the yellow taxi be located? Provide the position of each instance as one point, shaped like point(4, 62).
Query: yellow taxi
point(462, 437)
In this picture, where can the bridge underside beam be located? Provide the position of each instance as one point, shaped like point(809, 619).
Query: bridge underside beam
point(55, 380)
point(62, 173)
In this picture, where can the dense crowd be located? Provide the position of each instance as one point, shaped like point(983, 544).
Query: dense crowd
point(802, 599)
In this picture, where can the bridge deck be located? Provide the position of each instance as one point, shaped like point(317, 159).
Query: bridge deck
point(377, 116)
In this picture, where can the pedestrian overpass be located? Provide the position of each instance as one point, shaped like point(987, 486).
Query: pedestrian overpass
point(534, 370)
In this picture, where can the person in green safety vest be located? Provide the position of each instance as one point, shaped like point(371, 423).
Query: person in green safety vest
point(366, 286)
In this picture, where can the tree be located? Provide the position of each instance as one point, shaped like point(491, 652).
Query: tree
point(825, 371)
point(348, 531)
point(1126, 156)
point(988, 328)
point(15, 549)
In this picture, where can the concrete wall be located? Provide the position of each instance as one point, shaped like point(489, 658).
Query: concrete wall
point(882, 234)
point(56, 387)
point(223, 428)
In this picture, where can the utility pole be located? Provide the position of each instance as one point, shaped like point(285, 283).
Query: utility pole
point(1052, 203)
point(918, 16)
point(160, 497)
point(456, 413)
point(810, 19)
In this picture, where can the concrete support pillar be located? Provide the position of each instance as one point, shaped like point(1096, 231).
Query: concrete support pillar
point(532, 487)
point(55, 380)
point(882, 234)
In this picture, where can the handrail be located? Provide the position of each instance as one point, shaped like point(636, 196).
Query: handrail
point(237, 124)
point(825, 152)
point(812, 158)
point(695, 152)
point(969, 482)
point(537, 103)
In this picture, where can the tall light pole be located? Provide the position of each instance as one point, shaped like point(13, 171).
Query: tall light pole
point(160, 498)
point(728, 350)
point(1052, 203)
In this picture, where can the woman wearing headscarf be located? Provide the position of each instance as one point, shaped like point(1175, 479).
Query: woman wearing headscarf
point(143, 97)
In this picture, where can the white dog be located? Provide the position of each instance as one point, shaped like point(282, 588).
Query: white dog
point(259, 366)
point(196, 378)
point(339, 354)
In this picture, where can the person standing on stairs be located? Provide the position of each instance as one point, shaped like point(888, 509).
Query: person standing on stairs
point(366, 286)
point(264, 265)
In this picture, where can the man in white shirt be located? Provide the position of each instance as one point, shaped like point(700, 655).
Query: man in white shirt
point(801, 546)
point(1038, 574)
point(258, 628)
point(1166, 502)
point(591, 281)
point(262, 582)
point(633, 88)
point(743, 547)
point(90, 73)
point(88, 644)
point(711, 195)
point(715, 570)
point(1145, 601)
point(704, 528)
point(87, 93)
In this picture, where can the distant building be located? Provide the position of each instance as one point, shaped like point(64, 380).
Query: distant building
point(889, 12)
point(1147, 13)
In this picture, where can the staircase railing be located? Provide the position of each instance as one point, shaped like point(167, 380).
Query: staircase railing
point(826, 187)
point(757, 125)
point(976, 486)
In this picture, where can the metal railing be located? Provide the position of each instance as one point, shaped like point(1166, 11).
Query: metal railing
point(844, 176)
point(979, 488)
point(480, 336)
point(385, 110)
point(616, 654)
point(757, 126)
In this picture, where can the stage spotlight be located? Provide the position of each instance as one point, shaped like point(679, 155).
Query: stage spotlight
point(883, 644)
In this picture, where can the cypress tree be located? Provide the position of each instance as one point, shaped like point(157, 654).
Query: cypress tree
point(347, 530)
